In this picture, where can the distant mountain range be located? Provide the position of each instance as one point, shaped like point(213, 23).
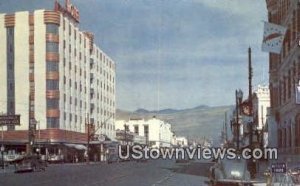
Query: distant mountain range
point(167, 111)
point(195, 123)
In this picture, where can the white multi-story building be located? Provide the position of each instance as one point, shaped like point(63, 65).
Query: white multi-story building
point(261, 103)
point(52, 72)
point(181, 141)
point(157, 132)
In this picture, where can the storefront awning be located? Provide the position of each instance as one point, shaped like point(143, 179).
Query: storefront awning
point(77, 146)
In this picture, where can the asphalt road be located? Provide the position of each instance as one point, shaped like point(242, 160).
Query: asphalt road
point(151, 173)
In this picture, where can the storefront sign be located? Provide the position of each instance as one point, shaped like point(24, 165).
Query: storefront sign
point(9, 120)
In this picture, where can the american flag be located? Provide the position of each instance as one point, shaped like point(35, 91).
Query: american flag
point(273, 38)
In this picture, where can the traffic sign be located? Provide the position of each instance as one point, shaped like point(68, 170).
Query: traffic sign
point(278, 168)
point(9, 120)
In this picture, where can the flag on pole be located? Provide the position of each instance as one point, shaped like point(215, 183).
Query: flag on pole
point(273, 38)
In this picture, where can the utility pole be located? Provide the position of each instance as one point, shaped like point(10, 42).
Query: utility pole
point(250, 96)
point(226, 137)
point(252, 164)
point(125, 135)
point(2, 148)
point(39, 140)
point(88, 138)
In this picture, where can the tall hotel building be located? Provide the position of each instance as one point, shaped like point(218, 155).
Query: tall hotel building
point(285, 75)
point(53, 73)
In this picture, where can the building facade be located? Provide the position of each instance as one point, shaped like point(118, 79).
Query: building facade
point(157, 132)
point(54, 73)
point(284, 76)
point(181, 141)
point(261, 102)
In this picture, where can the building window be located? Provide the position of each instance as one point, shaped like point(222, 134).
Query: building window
point(51, 47)
point(70, 29)
point(52, 122)
point(146, 130)
point(52, 103)
point(51, 66)
point(136, 129)
point(51, 28)
point(52, 84)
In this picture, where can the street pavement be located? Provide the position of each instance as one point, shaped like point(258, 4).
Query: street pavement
point(150, 173)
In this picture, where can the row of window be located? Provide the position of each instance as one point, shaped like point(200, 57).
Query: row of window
point(52, 66)
point(79, 119)
point(52, 122)
point(98, 54)
point(83, 88)
point(52, 103)
point(52, 47)
point(109, 76)
point(286, 85)
point(52, 28)
point(52, 84)
point(10, 73)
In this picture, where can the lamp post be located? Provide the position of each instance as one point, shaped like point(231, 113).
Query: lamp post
point(125, 135)
point(2, 155)
point(238, 100)
point(87, 123)
point(2, 147)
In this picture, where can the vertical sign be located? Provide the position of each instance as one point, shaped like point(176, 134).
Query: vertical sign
point(297, 93)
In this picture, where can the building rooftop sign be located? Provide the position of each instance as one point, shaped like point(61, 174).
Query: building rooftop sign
point(69, 10)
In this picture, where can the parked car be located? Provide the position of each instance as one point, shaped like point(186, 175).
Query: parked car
point(230, 172)
point(113, 158)
point(29, 164)
point(55, 158)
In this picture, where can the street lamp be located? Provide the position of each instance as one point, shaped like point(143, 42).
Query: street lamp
point(125, 135)
point(238, 100)
point(2, 154)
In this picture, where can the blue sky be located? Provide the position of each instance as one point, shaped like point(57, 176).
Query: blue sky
point(173, 53)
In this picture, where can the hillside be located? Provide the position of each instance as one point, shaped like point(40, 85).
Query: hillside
point(195, 123)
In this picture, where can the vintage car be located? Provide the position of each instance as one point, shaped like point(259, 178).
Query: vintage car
point(230, 172)
point(30, 163)
point(55, 158)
